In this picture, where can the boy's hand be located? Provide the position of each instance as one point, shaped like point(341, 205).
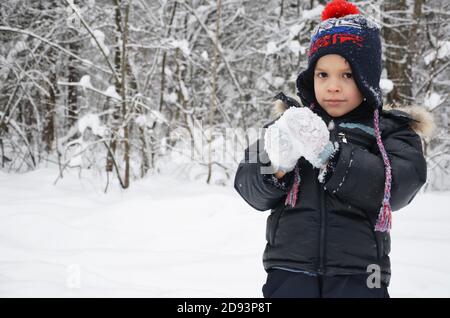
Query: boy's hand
point(298, 133)
point(279, 146)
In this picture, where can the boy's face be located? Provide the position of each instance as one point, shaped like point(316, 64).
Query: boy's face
point(334, 86)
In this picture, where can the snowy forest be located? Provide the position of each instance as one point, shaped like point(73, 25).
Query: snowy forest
point(123, 122)
point(124, 87)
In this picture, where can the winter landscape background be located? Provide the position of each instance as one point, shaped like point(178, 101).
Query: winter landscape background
point(122, 123)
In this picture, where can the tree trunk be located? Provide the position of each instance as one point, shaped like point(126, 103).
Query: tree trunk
point(414, 47)
point(397, 38)
point(126, 131)
point(49, 103)
point(72, 92)
point(163, 83)
point(115, 118)
point(213, 90)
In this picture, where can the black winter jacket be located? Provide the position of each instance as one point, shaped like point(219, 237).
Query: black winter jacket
point(330, 231)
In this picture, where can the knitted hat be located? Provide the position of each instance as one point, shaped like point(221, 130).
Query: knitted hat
point(346, 32)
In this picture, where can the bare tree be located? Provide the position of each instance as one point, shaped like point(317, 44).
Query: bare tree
point(397, 33)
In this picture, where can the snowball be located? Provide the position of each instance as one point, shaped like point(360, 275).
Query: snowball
point(298, 132)
point(309, 128)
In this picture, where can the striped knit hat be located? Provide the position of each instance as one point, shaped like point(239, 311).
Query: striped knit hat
point(344, 31)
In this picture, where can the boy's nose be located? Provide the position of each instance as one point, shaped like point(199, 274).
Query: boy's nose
point(334, 88)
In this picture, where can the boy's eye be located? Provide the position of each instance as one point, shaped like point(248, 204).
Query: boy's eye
point(348, 75)
point(321, 74)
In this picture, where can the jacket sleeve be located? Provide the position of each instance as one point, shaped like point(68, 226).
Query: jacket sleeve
point(359, 175)
point(255, 182)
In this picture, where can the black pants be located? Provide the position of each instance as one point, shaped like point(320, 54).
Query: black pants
point(285, 284)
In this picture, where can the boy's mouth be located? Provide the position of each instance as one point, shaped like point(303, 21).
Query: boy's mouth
point(334, 102)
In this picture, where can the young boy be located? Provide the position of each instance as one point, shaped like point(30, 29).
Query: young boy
point(332, 172)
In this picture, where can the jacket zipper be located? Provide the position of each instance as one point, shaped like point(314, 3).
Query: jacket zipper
point(323, 215)
point(321, 269)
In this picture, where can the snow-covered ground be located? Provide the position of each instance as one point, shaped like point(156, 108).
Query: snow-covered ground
point(169, 238)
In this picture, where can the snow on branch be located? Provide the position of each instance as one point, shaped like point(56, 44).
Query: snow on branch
point(86, 84)
point(26, 32)
point(217, 45)
point(95, 37)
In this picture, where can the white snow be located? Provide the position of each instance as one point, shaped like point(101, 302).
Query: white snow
point(205, 56)
point(169, 238)
point(275, 46)
point(295, 29)
point(150, 118)
point(168, 72)
point(85, 81)
point(141, 120)
point(158, 116)
point(432, 100)
point(313, 13)
point(111, 92)
point(386, 85)
point(442, 52)
point(93, 122)
point(184, 90)
point(296, 48)
point(271, 48)
point(171, 98)
point(444, 49)
point(429, 57)
point(19, 47)
point(267, 78)
point(183, 45)
point(100, 36)
point(277, 81)
point(161, 238)
point(420, 245)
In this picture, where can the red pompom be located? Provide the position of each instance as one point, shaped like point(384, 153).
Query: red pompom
point(338, 9)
